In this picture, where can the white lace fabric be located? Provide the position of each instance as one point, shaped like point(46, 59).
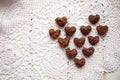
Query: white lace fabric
point(28, 53)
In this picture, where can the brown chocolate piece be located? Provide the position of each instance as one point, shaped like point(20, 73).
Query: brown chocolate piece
point(71, 53)
point(94, 18)
point(88, 51)
point(93, 40)
point(102, 30)
point(70, 30)
point(61, 21)
point(85, 30)
point(79, 62)
point(79, 42)
point(64, 42)
point(54, 34)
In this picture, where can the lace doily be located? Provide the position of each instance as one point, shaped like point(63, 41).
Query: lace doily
point(28, 53)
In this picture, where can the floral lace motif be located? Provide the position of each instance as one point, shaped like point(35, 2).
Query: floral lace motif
point(28, 53)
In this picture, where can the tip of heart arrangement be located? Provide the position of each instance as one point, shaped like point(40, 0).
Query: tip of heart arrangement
point(79, 42)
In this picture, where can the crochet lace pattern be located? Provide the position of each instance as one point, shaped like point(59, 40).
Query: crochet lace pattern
point(28, 53)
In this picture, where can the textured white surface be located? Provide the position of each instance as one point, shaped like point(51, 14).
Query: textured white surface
point(28, 53)
point(113, 76)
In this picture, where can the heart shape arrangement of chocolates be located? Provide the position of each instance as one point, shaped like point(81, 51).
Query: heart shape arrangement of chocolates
point(79, 42)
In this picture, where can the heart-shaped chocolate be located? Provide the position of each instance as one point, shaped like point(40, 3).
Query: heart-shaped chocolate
point(54, 33)
point(93, 40)
point(61, 21)
point(85, 30)
point(79, 62)
point(64, 42)
point(79, 42)
point(102, 30)
point(94, 18)
point(70, 30)
point(71, 53)
point(88, 51)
